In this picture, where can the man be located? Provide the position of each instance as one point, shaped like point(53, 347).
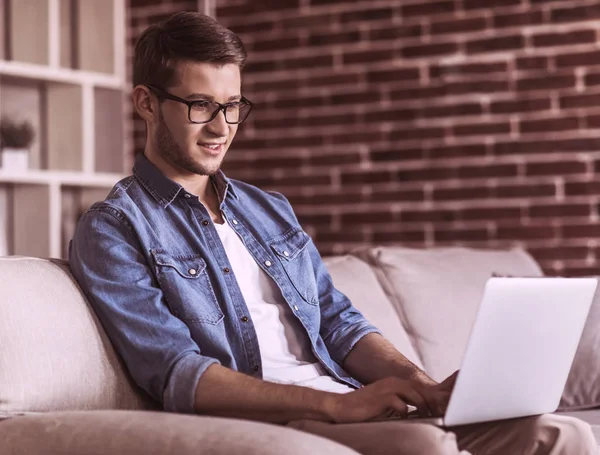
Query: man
point(219, 302)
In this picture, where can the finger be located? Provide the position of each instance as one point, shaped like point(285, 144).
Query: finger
point(448, 383)
point(412, 395)
point(399, 406)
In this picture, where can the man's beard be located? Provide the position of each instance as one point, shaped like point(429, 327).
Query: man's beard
point(170, 151)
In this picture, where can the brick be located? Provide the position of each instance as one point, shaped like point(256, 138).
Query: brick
point(364, 97)
point(591, 188)
point(399, 236)
point(532, 63)
point(409, 134)
point(291, 141)
point(367, 56)
point(427, 174)
point(575, 101)
point(333, 79)
point(292, 180)
point(416, 93)
point(494, 213)
point(488, 171)
point(592, 121)
point(560, 210)
point(260, 67)
point(452, 110)
point(460, 234)
point(334, 160)
point(582, 271)
point(429, 50)
point(269, 86)
point(559, 252)
point(546, 83)
point(485, 86)
point(521, 105)
point(428, 9)
point(346, 235)
point(390, 115)
point(478, 129)
point(309, 20)
point(358, 137)
point(458, 26)
point(485, 4)
point(428, 216)
point(549, 125)
point(592, 79)
point(496, 44)
point(470, 150)
point(564, 39)
point(576, 14)
point(393, 75)
point(350, 219)
point(524, 190)
point(467, 70)
point(580, 231)
point(252, 27)
point(375, 14)
point(518, 19)
point(322, 39)
point(395, 32)
point(366, 177)
point(326, 120)
point(379, 195)
point(578, 59)
point(555, 168)
point(303, 101)
point(451, 194)
point(241, 10)
point(526, 232)
point(316, 218)
point(396, 154)
point(275, 44)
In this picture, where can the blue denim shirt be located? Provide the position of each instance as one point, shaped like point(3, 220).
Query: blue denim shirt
point(151, 263)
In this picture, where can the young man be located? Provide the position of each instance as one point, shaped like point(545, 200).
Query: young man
point(219, 302)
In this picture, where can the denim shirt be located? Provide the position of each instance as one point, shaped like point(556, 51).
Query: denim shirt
point(151, 264)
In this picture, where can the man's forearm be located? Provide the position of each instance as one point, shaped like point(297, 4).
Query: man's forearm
point(374, 358)
point(227, 393)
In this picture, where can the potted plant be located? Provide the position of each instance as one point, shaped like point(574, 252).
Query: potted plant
point(15, 140)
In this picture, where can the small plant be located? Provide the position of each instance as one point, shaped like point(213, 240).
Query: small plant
point(15, 135)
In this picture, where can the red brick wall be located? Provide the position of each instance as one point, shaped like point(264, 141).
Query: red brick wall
point(464, 122)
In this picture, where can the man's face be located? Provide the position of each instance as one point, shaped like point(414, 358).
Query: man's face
point(185, 145)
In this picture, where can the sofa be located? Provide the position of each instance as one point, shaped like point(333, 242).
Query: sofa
point(64, 389)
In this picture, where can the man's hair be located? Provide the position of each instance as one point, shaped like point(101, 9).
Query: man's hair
point(184, 37)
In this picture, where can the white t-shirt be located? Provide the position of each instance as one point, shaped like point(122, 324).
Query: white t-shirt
point(285, 348)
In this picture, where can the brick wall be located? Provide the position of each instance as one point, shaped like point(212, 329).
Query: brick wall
point(464, 122)
point(422, 123)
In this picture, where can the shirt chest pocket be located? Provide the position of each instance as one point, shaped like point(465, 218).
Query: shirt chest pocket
point(186, 286)
point(293, 254)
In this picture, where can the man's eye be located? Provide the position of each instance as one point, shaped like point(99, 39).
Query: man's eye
point(201, 106)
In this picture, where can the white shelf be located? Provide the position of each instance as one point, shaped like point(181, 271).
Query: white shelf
point(83, 179)
point(63, 75)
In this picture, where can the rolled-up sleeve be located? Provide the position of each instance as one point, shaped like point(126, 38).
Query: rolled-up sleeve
point(114, 274)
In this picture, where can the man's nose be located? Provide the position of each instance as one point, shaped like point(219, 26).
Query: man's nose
point(218, 126)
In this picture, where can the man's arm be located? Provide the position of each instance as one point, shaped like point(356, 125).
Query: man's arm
point(374, 358)
point(223, 392)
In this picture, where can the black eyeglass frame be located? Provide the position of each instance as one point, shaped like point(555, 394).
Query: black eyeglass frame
point(222, 107)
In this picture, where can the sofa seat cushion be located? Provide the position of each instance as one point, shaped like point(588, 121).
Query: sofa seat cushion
point(54, 354)
point(590, 416)
point(155, 433)
point(437, 292)
point(357, 280)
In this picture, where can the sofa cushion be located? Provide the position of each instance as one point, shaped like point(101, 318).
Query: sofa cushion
point(155, 433)
point(357, 280)
point(582, 390)
point(591, 416)
point(54, 354)
point(437, 292)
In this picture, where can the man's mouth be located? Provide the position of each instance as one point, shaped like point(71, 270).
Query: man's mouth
point(214, 148)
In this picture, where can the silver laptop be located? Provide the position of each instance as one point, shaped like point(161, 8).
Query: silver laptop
point(520, 350)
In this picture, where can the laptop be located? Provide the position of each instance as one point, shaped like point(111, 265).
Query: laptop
point(520, 350)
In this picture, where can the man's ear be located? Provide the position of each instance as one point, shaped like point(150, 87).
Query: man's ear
point(144, 104)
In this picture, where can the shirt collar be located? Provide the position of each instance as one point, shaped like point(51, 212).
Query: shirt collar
point(165, 190)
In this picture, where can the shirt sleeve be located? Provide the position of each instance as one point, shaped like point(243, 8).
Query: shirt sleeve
point(107, 261)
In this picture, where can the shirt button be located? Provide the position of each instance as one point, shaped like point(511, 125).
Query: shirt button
point(268, 263)
point(226, 270)
point(296, 307)
point(245, 319)
point(235, 222)
point(192, 271)
point(187, 196)
point(205, 223)
point(255, 368)
point(286, 254)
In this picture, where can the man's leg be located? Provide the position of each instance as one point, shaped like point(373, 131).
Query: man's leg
point(548, 434)
point(385, 438)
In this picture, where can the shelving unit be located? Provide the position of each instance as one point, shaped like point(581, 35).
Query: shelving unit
point(62, 68)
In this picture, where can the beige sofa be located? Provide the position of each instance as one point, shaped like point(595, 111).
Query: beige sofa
point(64, 390)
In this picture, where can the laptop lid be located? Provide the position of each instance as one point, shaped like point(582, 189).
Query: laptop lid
point(521, 348)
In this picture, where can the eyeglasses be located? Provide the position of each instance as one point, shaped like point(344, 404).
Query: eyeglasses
point(204, 111)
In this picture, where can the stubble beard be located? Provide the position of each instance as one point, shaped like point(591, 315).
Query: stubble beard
point(170, 151)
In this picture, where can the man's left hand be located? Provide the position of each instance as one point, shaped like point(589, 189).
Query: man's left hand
point(437, 396)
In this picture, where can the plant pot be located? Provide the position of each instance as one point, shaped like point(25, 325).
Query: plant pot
point(14, 159)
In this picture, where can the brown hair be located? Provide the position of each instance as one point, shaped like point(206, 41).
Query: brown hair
point(185, 36)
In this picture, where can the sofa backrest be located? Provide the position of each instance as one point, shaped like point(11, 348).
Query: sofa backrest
point(54, 354)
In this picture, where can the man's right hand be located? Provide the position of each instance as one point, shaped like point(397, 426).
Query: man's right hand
point(386, 397)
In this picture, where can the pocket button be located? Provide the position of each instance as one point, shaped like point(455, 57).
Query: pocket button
point(192, 271)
